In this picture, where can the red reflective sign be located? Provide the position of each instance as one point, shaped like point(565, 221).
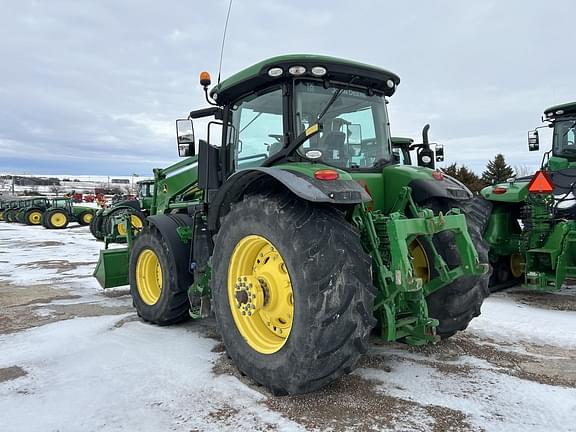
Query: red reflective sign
point(540, 183)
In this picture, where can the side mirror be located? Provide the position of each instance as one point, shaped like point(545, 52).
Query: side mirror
point(185, 138)
point(396, 154)
point(439, 152)
point(533, 140)
point(425, 157)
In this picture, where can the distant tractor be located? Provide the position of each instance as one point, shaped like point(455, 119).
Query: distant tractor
point(61, 212)
point(301, 232)
point(30, 210)
point(532, 227)
point(425, 156)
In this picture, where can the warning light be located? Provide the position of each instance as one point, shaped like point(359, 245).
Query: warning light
point(541, 183)
point(205, 80)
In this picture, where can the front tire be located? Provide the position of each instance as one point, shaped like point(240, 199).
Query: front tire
point(158, 288)
point(301, 272)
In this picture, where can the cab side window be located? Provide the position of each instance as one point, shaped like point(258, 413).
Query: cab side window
point(258, 123)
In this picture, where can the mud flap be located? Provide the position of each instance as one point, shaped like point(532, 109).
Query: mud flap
point(112, 268)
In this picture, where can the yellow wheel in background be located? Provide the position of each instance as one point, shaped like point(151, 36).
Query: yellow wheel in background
point(87, 218)
point(58, 220)
point(517, 265)
point(420, 261)
point(149, 277)
point(35, 218)
point(137, 224)
point(260, 294)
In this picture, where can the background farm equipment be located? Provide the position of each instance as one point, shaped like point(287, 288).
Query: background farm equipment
point(30, 210)
point(532, 228)
point(61, 212)
point(425, 156)
point(300, 231)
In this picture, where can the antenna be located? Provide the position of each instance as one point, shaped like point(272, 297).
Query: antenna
point(224, 40)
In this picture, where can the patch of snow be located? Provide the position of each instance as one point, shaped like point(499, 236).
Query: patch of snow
point(89, 374)
point(505, 320)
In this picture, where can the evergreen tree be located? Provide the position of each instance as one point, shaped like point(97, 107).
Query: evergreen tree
point(497, 170)
point(466, 176)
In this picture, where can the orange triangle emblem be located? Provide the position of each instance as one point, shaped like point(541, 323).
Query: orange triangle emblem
point(541, 183)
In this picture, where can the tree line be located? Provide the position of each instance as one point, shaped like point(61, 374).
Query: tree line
point(497, 171)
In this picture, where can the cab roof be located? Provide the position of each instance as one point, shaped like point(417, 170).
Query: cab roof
point(337, 69)
point(561, 110)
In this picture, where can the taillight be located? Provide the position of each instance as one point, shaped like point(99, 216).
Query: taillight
point(499, 190)
point(438, 175)
point(326, 174)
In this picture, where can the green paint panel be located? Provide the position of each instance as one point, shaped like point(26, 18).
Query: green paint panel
point(515, 192)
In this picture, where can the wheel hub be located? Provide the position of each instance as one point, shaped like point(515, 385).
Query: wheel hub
point(249, 294)
point(260, 294)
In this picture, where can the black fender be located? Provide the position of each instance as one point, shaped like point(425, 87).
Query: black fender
point(344, 192)
point(448, 188)
point(135, 204)
point(166, 224)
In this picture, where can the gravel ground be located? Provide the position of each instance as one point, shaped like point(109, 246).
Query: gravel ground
point(66, 343)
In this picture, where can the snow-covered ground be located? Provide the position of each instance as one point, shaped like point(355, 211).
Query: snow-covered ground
point(73, 357)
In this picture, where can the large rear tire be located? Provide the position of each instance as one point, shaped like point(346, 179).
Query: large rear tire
point(292, 292)
point(458, 303)
point(158, 280)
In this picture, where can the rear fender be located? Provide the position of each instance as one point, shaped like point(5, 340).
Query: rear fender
point(341, 192)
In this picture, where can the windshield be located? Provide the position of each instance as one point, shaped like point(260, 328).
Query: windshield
point(355, 134)
point(565, 138)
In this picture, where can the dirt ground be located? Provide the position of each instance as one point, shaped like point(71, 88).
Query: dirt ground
point(355, 402)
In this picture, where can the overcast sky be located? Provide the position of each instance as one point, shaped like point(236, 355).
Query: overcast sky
point(94, 87)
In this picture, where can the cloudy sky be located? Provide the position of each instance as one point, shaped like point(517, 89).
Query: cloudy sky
point(93, 87)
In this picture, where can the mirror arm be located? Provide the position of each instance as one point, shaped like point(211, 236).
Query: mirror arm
point(207, 112)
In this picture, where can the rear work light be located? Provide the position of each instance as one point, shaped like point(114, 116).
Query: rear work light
point(541, 183)
point(326, 174)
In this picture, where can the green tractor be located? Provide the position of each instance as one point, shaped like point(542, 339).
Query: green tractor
point(4, 206)
point(532, 227)
point(10, 210)
point(61, 212)
point(425, 156)
point(305, 234)
point(31, 210)
point(169, 192)
point(102, 224)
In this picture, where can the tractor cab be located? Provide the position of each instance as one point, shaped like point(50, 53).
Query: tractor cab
point(562, 118)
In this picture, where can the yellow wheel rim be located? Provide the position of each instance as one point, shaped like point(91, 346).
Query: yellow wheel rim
point(419, 261)
point(58, 220)
point(87, 218)
point(260, 294)
point(35, 218)
point(517, 265)
point(149, 277)
point(136, 224)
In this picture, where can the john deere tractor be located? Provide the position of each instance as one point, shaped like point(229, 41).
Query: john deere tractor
point(102, 224)
point(61, 212)
point(425, 155)
point(305, 234)
point(532, 228)
point(169, 192)
point(31, 209)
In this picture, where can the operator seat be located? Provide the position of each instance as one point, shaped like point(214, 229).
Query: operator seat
point(333, 148)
